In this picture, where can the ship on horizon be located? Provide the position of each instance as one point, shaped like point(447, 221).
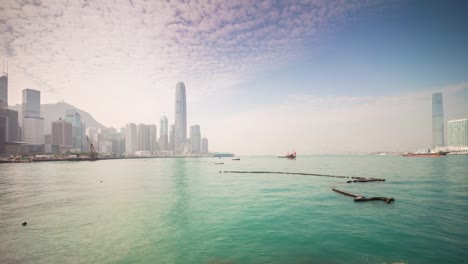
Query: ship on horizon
point(425, 153)
point(288, 155)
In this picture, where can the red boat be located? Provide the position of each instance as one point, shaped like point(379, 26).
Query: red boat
point(425, 153)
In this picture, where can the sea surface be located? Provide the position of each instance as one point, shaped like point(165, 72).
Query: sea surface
point(175, 210)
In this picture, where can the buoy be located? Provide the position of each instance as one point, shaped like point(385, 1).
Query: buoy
point(25, 223)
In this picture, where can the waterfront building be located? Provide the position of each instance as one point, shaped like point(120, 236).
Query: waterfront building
point(163, 134)
point(457, 131)
point(105, 147)
point(204, 146)
point(195, 139)
point(437, 121)
point(180, 126)
point(131, 142)
point(74, 118)
point(172, 138)
point(153, 138)
point(33, 123)
point(143, 137)
point(9, 131)
point(62, 135)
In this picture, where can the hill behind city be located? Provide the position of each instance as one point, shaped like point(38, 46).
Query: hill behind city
point(52, 112)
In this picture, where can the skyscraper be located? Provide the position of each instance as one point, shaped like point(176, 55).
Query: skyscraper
point(204, 145)
point(4, 88)
point(153, 138)
point(180, 135)
point(143, 137)
point(62, 134)
point(195, 139)
point(74, 118)
point(437, 120)
point(163, 134)
point(33, 123)
point(131, 139)
point(457, 131)
point(172, 138)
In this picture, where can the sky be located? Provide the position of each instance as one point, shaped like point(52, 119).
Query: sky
point(262, 77)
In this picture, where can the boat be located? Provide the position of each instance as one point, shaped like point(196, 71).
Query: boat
point(425, 153)
point(236, 159)
point(288, 156)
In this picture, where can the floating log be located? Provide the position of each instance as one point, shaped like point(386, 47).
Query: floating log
point(362, 179)
point(290, 173)
point(359, 198)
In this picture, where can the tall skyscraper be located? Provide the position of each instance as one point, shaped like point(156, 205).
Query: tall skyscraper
point(437, 120)
point(163, 134)
point(457, 131)
point(131, 145)
point(4, 88)
point(180, 135)
point(172, 138)
point(33, 123)
point(74, 118)
point(195, 139)
point(204, 145)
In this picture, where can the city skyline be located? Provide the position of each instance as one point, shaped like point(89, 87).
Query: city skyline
point(342, 75)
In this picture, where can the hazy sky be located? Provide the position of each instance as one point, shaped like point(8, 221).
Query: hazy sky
point(262, 77)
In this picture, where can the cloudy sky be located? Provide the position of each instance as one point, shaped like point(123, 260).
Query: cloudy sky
point(262, 77)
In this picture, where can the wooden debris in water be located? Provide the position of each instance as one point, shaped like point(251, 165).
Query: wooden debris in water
point(360, 198)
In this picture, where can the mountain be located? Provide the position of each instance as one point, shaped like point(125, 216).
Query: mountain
point(52, 112)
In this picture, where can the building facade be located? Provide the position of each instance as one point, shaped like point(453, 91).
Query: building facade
point(62, 135)
point(131, 139)
point(33, 123)
point(437, 121)
point(195, 139)
point(172, 138)
point(163, 134)
point(204, 146)
point(180, 126)
point(143, 138)
point(74, 118)
point(153, 138)
point(457, 133)
point(4, 90)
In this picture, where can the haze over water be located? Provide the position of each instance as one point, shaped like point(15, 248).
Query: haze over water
point(185, 211)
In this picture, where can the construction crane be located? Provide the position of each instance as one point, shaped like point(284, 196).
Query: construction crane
point(93, 154)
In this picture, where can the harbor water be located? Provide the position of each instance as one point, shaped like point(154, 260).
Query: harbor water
point(183, 210)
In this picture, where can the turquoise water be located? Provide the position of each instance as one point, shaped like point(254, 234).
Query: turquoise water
point(185, 211)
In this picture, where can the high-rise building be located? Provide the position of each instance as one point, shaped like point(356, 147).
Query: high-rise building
point(143, 138)
point(62, 134)
point(195, 139)
point(457, 131)
point(153, 138)
point(204, 145)
point(8, 128)
point(131, 139)
point(33, 123)
point(74, 118)
point(437, 120)
point(4, 88)
point(163, 134)
point(180, 136)
point(172, 138)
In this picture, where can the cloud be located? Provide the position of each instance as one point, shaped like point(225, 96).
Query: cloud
point(108, 55)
